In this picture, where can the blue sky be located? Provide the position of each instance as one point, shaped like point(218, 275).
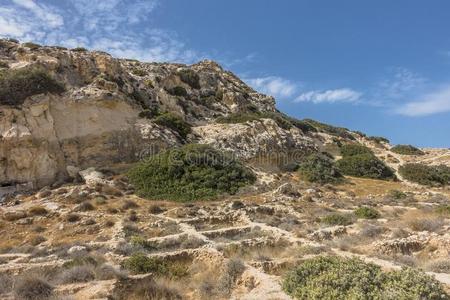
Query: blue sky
point(381, 67)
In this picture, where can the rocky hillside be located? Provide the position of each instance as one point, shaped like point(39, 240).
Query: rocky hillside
point(103, 116)
point(302, 196)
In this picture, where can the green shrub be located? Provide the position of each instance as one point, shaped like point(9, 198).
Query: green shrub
point(378, 139)
point(396, 194)
point(79, 49)
point(139, 263)
point(138, 72)
point(319, 168)
point(338, 219)
point(332, 130)
point(407, 150)
point(238, 118)
point(32, 287)
point(192, 172)
point(281, 119)
point(149, 113)
point(32, 46)
point(365, 212)
point(175, 123)
point(365, 165)
point(426, 175)
point(354, 149)
point(190, 77)
point(327, 277)
point(178, 91)
point(17, 85)
point(443, 209)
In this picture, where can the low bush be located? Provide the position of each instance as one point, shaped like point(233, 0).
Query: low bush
point(281, 119)
point(338, 219)
point(32, 287)
point(192, 172)
point(4, 65)
point(145, 289)
point(407, 150)
point(438, 265)
point(426, 175)
point(396, 194)
point(328, 277)
point(233, 269)
point(37, 211)
point(331, 130)
point(77, 274)
point(443, 209)
point(178, 91)
point(365, 165)
point(139, 72)
point(32, 46)
point(319, 168)
point(365, 212)
point(84, 206)
point(190, 77)
point(79, 49)
point(175, 123)
point(354, 149)
point(425, 224)
point(139, 263)
point(72, 218)
point(17, 85)
point(378, 139)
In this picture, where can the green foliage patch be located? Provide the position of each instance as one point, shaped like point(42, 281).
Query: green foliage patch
point(17, 85)
point(329, 277)
point(354, 149)
point(192, 172)
point(178, 91)
point(365, 212)
point(139, 263)
point(319, 168)
point(378, 139)
point(332, 130)
point(426, 175)
point(281, 119)
point(365, 165)
point(338, 219)
point(190, 77)
point(175, 123)
point(407, 150)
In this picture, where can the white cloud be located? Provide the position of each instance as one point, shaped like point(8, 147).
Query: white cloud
point(44, 13)
point(400, 82)
point(114, 26)
point(274, 86)
point(429, 104)
point(329, 96)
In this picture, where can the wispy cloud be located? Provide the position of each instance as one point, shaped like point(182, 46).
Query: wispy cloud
point(399, 82)
point(274, 86)
point(344, 95)
point(431, 103)
point(115, 26)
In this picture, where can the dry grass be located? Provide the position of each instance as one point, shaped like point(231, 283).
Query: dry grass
point(32, 287)
point(422, 221)
point(37, 211)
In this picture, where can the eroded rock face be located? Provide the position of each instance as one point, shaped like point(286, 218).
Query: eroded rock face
point(50, 133)
point(261, 141)
point(101, 120)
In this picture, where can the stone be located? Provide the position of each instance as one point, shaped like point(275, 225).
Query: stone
point(77, 250)
point(73, 171)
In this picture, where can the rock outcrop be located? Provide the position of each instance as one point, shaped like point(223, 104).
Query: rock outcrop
point(104, 117)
